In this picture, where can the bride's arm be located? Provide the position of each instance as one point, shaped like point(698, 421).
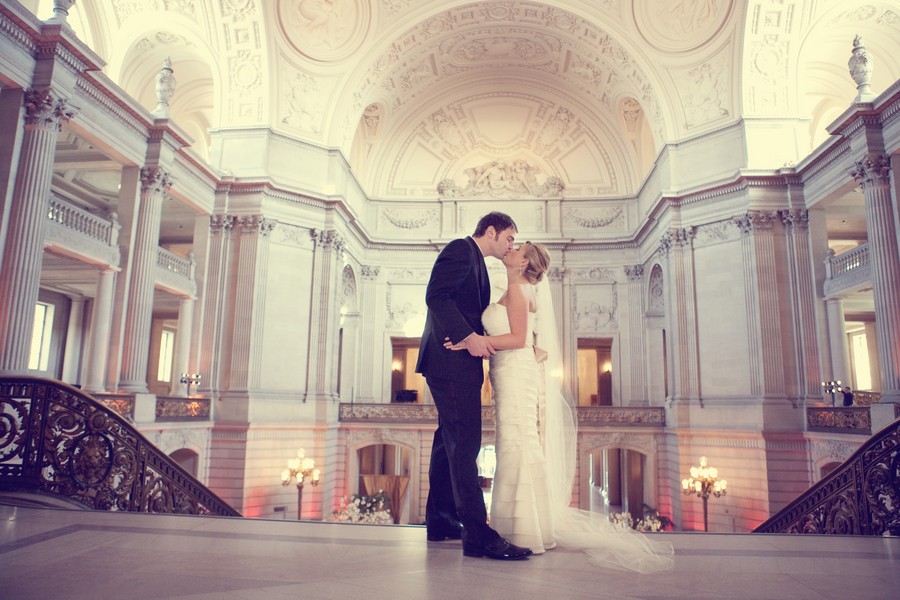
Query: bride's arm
point(517, 306)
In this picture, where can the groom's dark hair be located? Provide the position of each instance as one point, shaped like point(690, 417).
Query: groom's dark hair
point(498, 220)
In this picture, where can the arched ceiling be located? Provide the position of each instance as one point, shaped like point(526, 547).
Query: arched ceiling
point(492, 97)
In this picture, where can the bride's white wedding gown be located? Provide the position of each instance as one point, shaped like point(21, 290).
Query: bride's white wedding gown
point(520, 502)
point(524, 507)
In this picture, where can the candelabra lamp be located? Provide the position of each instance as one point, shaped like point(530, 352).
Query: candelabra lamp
point(704, 482)
point(190, 379)
point(831, 387)
point(301, 469)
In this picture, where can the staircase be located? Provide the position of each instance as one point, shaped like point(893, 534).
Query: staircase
point(58, 442)
point(861, 497)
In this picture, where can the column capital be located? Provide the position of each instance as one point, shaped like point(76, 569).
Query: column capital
point(676, 237)
point(155, 180)
point(45, 109)
point(797, 219)
point(755, 220)
point(369, 272)
point(255, 224)
point(873, 170)
point(220, 223)
point(634, 272)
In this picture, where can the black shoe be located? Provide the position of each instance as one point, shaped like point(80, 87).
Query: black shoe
point(499, 549)
point(445, 532)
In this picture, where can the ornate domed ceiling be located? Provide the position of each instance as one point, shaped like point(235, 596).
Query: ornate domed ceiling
point(492, 98)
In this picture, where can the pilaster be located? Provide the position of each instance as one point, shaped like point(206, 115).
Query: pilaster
point(635, 337)
point(323, 318)
point(213, 347)
point(183, 344)
point(371, 289)
point(676, 246)
point(98, 344)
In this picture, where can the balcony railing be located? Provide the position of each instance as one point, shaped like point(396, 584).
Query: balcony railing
point(839, 419)
point(847, 270)
point(83, 222)
point(175, 272)
point(588, 416)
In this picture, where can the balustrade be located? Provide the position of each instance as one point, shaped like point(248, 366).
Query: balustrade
point(83, 222)
point(847, 270)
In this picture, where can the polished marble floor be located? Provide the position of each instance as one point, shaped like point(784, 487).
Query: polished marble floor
point(51, 553)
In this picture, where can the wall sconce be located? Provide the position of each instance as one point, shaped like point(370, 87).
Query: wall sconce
point(303, 468)
point(190, 379)
point(703, 482)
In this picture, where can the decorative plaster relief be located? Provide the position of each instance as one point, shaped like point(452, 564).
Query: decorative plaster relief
point(498, 178)
point(408, 218)
point(409, 275)
point(595, 306)
point(303, 101)
point(325, 30)
point(348, 288)
point(604, 217)
point(125, 9)
point(634, 272)
point(369, 272)
point(656, 291)
point(770, 36)
point(394, 6)
point(238, 9)
point(185, 7)
point(704, 91)
point(404, 302)
point(293, 235)
point(246, 72)
point(716, 233)
point(680, 25)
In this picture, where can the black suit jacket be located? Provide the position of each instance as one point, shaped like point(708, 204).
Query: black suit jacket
point(458, 292)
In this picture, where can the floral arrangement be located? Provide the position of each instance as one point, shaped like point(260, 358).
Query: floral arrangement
point(651, 521)
point(364, 509)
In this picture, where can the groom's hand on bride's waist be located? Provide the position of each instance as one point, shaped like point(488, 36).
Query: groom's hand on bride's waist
point(478, 345)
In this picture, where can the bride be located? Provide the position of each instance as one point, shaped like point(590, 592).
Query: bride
point(536, 430)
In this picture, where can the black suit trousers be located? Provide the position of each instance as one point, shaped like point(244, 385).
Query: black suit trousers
point(453, 476)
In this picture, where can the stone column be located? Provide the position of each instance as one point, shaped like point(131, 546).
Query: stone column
point(676, 245)
point(72, 353)
point(322, 315)
point(635, 337)
point(873, 176)
point(763, 314)
point(249, 301)
point(368, 361)
point(215, 304)
point(136, 340)
point(20, 274)
point(183, 344)
point(98, 343)
point(804, 300)
point(837, 342)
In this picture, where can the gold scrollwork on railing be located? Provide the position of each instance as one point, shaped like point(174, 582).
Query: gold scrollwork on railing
point(182, 409)
point(861, 497)
point(121, 404)
point(622, 416)
point(848, 419)
point(56, 440)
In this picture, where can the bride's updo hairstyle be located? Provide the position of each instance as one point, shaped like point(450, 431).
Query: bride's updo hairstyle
point(538, 262)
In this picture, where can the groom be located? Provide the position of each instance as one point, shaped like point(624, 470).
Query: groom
point(458, 292)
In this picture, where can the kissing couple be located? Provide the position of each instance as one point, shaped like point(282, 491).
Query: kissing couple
point(536, 435)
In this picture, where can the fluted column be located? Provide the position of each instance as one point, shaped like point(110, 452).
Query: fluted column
point(804, 300)
point(676, 245)
point(98, 344)
point(215, 304)
point(183, 343)
point(837, 342)
point(873, 176)
point(635, 341)
point(322, 315)
point(72, 353)
point(136, 341)
point(249, 301)
point(20, 274)
point(763, 309)
point(364, 381)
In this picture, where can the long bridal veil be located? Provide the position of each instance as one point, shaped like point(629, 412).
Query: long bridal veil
point(607, 545)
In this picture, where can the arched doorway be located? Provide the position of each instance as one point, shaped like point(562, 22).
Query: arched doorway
point(187, 460)
point(619, 481)
point(386, 467)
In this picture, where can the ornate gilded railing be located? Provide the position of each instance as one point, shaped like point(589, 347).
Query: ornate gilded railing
point(55, 440)
point(588, 416)
point(861, 497)
point(839, 419)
